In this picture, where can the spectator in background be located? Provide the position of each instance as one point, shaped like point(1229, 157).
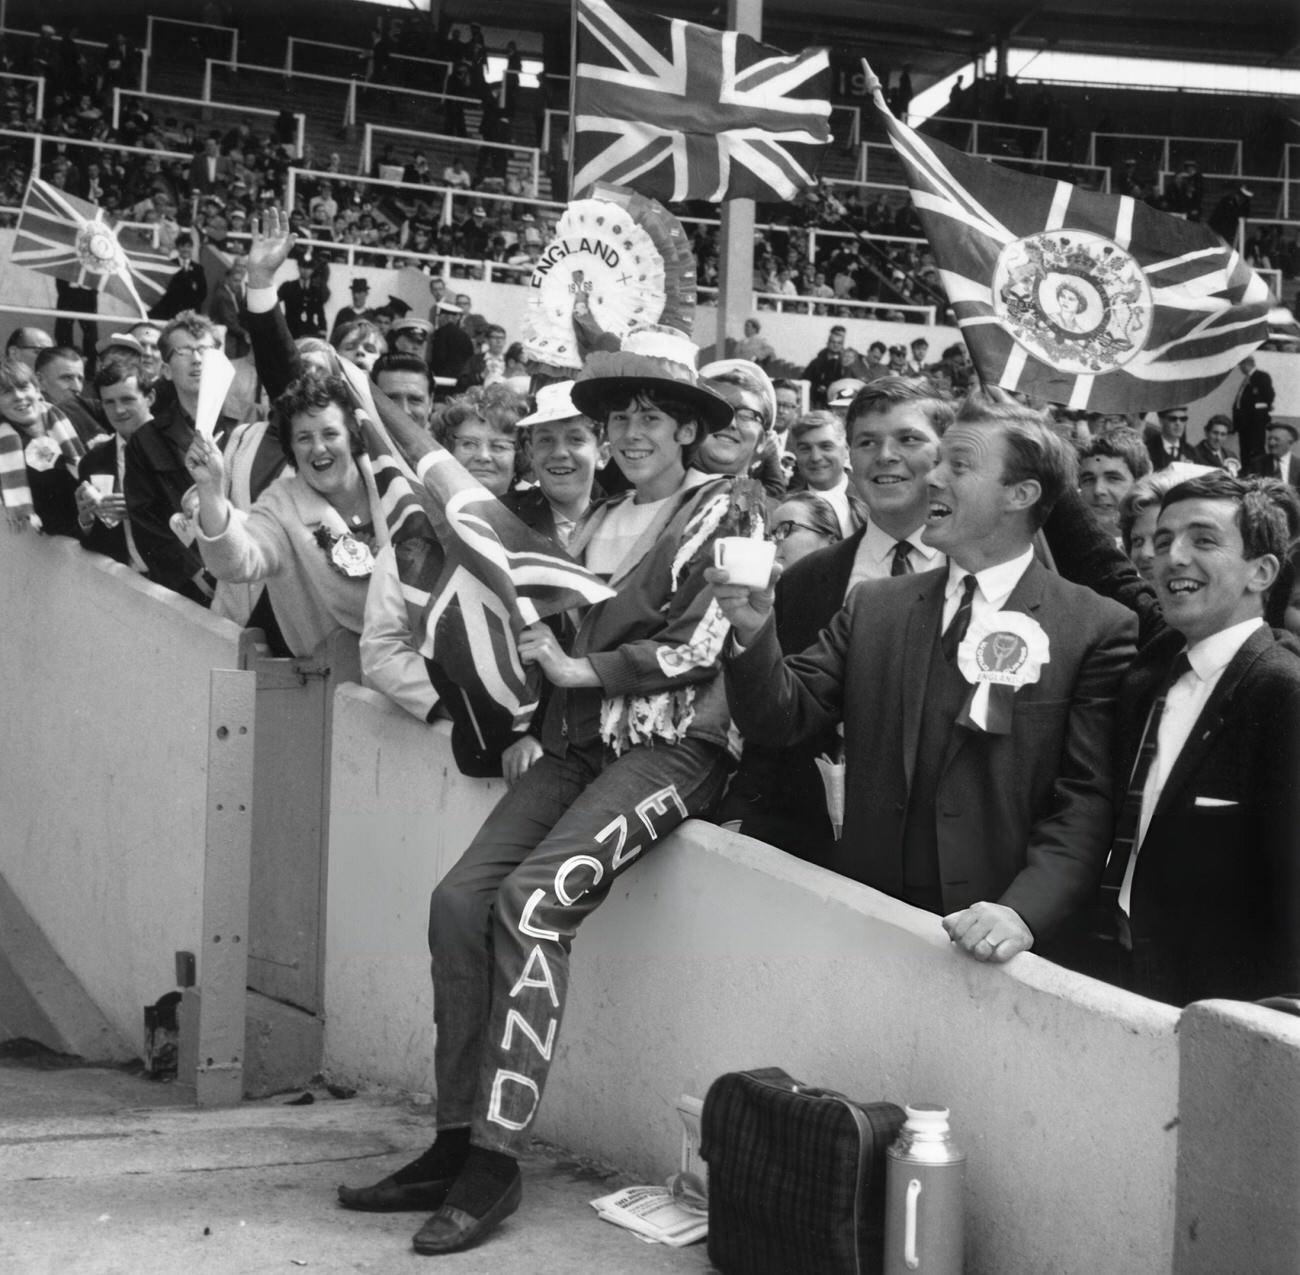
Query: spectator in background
point(480, 428)
point(25, 343)
point(822, 456)
point(69, 296)
point(787, 412)
point(450, 347)
point(228, 309)
point(359, 342)
point(1229, 212)
point(1109, 465)
point(39, 455)
point(1213, 449)
point(187, 288)
point(211, 171)
point(1252, 409)
point(1279, 460)
point(832, 363)
point(801, 524)
point(489, 365)
point(1170, 445)
point(304, 308)
point(405, 379)
point(754, 347)
point(1137, 520)
point(61, 374)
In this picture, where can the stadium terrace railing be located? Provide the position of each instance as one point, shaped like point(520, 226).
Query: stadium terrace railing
point(359, 55)
point(59, 139)
point(1290, 176)
point(350, 85)
point(1166, 160)
point(236, 107)
point(38, 106)
point(153, 19)
point(1215, 183)
point(454, 145)
point(12, 33)
point(981, 136)
point(839, 306)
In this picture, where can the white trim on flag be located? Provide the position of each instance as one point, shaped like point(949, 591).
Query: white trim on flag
point(960, 287)
point(1017, 357)
point(1060, 205)
point(1124, 221)
point(1080, 394)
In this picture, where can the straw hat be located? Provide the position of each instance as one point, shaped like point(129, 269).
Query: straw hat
point(654, 358)
point(554, 403)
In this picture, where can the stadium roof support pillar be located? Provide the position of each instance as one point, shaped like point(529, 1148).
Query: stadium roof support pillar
point(736, 261)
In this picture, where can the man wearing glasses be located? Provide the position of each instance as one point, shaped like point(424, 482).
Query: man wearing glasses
point(1170, 446)
point(156, 478)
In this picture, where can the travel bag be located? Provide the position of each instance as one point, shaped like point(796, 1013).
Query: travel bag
point(796, 1176)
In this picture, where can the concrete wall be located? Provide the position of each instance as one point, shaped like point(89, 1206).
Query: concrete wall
point(1239, 1140)
point(104, 688)
point(717, 952)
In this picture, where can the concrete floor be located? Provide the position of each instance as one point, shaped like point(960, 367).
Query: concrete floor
point(104, 1173)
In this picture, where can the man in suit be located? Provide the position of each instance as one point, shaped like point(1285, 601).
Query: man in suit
point(1170, 445)
point(358, 309)
point(1252, 409)
point(61, 374)
point(156, 477)
point(1213, 449)
point(187, 288)
point(894, 430)
point(977, 768)
point(229, 309)
point(1205, 868)
point(210, 170)
point(821, 456)
point(1279, 460)
point(304, 310)
point(127, 398)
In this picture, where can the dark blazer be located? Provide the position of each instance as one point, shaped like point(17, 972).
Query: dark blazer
point(1025, 819)
point(1203, 454)
point(304, 310)
point(156, 479)
point(777, 793)
point(1161, 457)
point(226, 309)
point(186, 290)
point(1215, 906)
point(1264, 467)
point(110, 541)
point(200, 181)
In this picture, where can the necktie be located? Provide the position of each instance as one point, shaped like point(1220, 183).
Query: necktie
point(901, 566)
point(960, 621)
point(1130, 813)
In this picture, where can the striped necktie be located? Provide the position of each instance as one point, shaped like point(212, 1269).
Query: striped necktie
point(960, 621)
point(1130, 813)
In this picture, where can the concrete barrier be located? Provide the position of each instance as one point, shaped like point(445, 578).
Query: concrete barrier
point(716, 952)
point(104, 704)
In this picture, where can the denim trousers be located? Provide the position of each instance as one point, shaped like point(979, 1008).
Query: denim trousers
point(502, 921)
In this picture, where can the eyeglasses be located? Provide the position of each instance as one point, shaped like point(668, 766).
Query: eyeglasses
point(498, 447)
point(748, 416)
point(192, 351)
point(787, 527)
point(1176, 418)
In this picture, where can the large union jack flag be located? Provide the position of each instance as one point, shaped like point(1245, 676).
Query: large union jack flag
point(61, 235)
point(1094, 301)
point(678, 111)
point(473, 575)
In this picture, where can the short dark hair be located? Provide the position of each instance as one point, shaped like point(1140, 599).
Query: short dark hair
point(1120, 444)
point(810, 421)
point(311, 392)
point(123, 367)
point(1035, 452)
point(402, 363)
point(893, 391)
point(821, 516)
point(363, 326)
point(621, 395)
point(47, 356)
point(785, 383)
point(1268, 511)
point(191, 321)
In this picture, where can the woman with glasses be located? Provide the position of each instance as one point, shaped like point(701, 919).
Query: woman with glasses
point(803, 523)
point(479, 428)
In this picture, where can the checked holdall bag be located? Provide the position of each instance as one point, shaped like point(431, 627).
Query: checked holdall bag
point(796, 1176)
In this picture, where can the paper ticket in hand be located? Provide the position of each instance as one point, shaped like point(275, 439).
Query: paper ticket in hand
point(217, 377)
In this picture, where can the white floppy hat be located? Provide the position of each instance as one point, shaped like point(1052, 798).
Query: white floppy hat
point(554, 403)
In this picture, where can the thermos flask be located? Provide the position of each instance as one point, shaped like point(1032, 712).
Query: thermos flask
point(924, 1176)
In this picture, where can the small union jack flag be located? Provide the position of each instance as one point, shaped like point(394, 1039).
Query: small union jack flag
point(678, 111)
point(1095, 301)
point(61, 235)
point(473, 575)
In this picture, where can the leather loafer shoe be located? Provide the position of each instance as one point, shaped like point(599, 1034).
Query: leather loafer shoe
point(451, 1229)
point(396, 1197)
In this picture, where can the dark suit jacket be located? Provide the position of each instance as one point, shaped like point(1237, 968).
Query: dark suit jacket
point(1160, 456)
point(304, 311)
point(1215, 905)
point(1202, 454)
point(1251, 412)
point(1024, 819)
point(198, 175)
point(1262, 467)
point(110, 541)
point(225, 308)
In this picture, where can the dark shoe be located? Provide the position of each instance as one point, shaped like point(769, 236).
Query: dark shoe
point(451, 1229)
point(389, 1196)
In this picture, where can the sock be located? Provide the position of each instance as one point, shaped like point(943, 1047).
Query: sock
point(444, 1159)
point(483, 1181)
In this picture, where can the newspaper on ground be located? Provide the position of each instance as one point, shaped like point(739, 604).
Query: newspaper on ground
point(652, 1213)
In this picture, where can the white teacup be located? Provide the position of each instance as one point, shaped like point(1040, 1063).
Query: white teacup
point(103, 483)
point(747, 562)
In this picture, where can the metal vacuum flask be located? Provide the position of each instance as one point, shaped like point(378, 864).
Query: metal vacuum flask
point(924, 1198)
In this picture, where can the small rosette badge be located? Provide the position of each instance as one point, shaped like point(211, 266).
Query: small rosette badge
point(1002, 651)
point(352, 557)
point(97, 249)
point(41, 454)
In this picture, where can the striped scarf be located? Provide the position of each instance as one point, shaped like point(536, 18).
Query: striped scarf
point(54, 425)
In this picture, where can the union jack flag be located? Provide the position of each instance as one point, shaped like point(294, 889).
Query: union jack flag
point(472, 574)
point(1094, 301)
point(678, 111)
point(70, 239)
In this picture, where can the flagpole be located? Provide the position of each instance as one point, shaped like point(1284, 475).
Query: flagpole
point(573, 94)
point(736, 261)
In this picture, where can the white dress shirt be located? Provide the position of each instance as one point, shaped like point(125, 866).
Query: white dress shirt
point(994, 585)
point(874, 559)
point(838, 499)
point(1183, 705)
